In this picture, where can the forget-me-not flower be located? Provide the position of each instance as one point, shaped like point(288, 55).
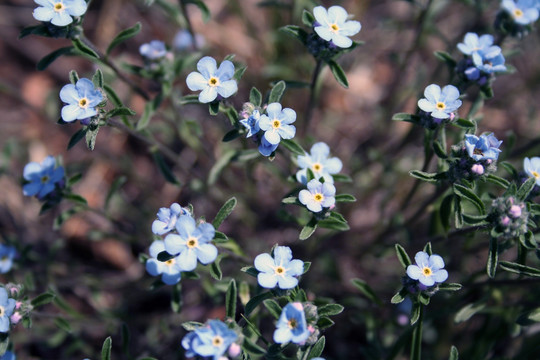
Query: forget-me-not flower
point(252, 123)
point(490, 60)
point(81, 98)
point(440, 103)
point(332, 25)
point(484, 147)
point(211, 340)
point(42, 177)
point(191, 243)
point(184, 41)
point(153, 50)
point(320, 164)
point(281, 270)
point(169, 270)
point(429, 269)
point(7, 306)
point(523, 12)
point(276, 123)
point(59, 12)
point(532, 168)
point(265, 148)
point(291, 326)
point(213, 81)
point(8, 355)
point(318, 195)
point(166, 218)
point(7, 254)
point(473, 43)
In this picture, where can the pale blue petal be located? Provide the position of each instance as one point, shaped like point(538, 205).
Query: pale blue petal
point(449, 93)
point(314, 205)
point(301, 176)
point(282, 335)
point(314, 186)
point(187, 260)
point(333, 165)
point(267, 280)
point(436, 262)
point(32, 171)
point(45, 3)
point(288, 116)
point(432, 93)
point(320, 14)
point(76, 8)
point(350, 28)
point(426, 105)
point(174, 244)
point(324, 32)
point(287, 282)
point(328, 201)
point(185, 225)
point(282, 255)
point(337, 14)
point(265, 123)
point(535, 162)
point(227, 88)
point(421, 258)
point(328, 189)
point(304, 196)
point(225, 71)
point(264, 262)
point(10, 307)
point(206, 253)
point(4, 324)
point(86, 113)
point(156, 247)
point(205, 232)
point(274, 110)
point(296, 267)
point(440, 114)
point(414, 272)
point(209, 94)
point(440, 276)
point(171, 279)
point(160, 227)
point(341, 41)
point(69, 94)
point(508, 5)
point(427, 280)
point(43, 14)
point(272, 137)
point(207, 67)
point(153, 267)
point(285, 131)
point(61, 18)
point(31, 189)
point(3, 297)
point(70, 112)
point(319, 151)
point(195, 81)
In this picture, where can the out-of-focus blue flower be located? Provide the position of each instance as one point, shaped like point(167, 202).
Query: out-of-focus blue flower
point(153, 50)
point(59, 12)
point(440, 103)
point(81, 98)
point(280, 270)
point(320, 163)
point(318, 195)
point(191, 243)
point(7, 254)
point(484, 147)
point(169, 270)
point(428, 269)
point(211, 80)
point(184, 41)
point(8, 355)
point(42, 177)
point(532, 168)
point(7, 306)
point(211, 340)
point(473, 43)
point(332, 25)
point(252, 123)
point(277, 124)
point(523, 12)
point(291, 326)
point(265, 148)
point(166, 218)
point(489, 61)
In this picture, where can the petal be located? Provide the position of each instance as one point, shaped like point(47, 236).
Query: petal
point(436, 262)
point(304, 196)
point(287, 282)
point(153, 267)
point(61, 18)
point(206, 253)
point(328, 201)
point(185, 225)
point(274, 110)
point(440, 114)
point(440, 276)
point(314, 205)
point(43, 14)
point(337, 14)
point(225, 71)
point(209, 94)
point(156, 247)
point(69, 94)
point(328, 189)
point(205, 232)
point(45, 189)
point(421, 258)
point(301, 176)
point(32, 170)
point(267, 280)
point(282, 335)
point(333, 165)
point(171, 279)
point(319, 151)
point(350, 28)
point(425, 105)
point(324, 32)
point(320, 14)
point(288, 116)
point(10, 307)
point(414, 272)
point(70, 113)
point(296, 268)
point(174, 244)
point(282, 255)
point(304, 161)
point(432, 93)
point(3, 297)
point(341, 41)
point(187, 260)
point(31, 189)
point(195, 81)
point(227, 88)
point(265, 123)
point(272, 137)
point(77, 8)
point(4, 324)
point(264, 262)
point(427, 280)
point(286, 131)
point(207, 67)
point(160, 227)
point(314, 186)
point(449, 93)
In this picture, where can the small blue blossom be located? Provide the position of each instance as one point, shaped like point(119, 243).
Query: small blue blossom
point(281, 270)
point(277, 124)
point(184, 41)
point(320, 164)
point(81, 98)
point(213, 81)
point(8, 355)
point(441, 104)
point(7, 254)
point(7, 306)
point(428, 269)
point(169, 270)
point(292, 326)
point(523, 12)
point(252, 123)
point(318, 195)
point(166, 218)
point(332, 25)
point(489, 61)
point(473, 43)
point(42, 177)
point(153, 50)
point(191, 243)
point(532, 168)
point(211, 340)
point(59, 12)
point(265, 148)
point(485, 147)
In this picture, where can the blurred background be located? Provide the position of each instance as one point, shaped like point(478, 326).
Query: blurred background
point(92, 259)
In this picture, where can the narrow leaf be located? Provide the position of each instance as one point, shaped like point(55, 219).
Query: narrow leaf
point(164, 168)
point(84, 49)
point(255, 97)
point(468, 194)
point(106, 349)
point(123, 36)
point(529, 317)
point(50, 58)
point(308, 229)
point(493, 257)
point(317, 348)
point(330, 309)
point(366, 290)
point(224, 212)
point(78, 136)
point(42, 299)
point(338, 73)
point(454, 355)
point(402, 256)
point(255, 301)
point(273, 307)
point(466, 312)
point(230, 299)
point(62, 324)
point(276, 94)
point(520, 269)
point(215, 269)
point(525, 189)
point(345, 198)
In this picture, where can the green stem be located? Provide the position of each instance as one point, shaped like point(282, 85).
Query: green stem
point(416, 343)
point(188, 23)
point(311, 101)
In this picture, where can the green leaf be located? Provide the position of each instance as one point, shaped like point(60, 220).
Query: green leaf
point(73, 77)
point(224, 212)
point(439, 150)
point(231, 135)
point(333, 224)
point(345, 198)
point(189, 99)
point(402, 256)
point(273, 307)
point(406, 117)
point(308, 229)
point(239, 73)
point(252, 348)
point(291, 200)
point(42, 299)
point(466, 312)
point(255, 301)
point(112, 95)
point(97, 79)
point(330, 310)
point(202, 6)
point(317, 348)
point(415, 314)
point(324, 323)
point(464, 124)
point(78, 136)
point(220, 238)
point(41, 30)
point(277, 93)
point(255, 97)
point(338, 73)
point(120, 111)
point(50, 58)
point(454, 355)
point(487, 91)
point(192, 325)
point(164, 168)
point(341, 178)
point(74, 179)
point(529, 317)
point(519, 269)
point(63, 324)
point(220, 164)
point(509, 168)
point(176, 298)
point(250, 270)
point(295, 31)
point(445, 57)
point(123, 36)
point(83, 48)
point(498, 181)
point(307, 18)
point(215, 269)
point(213, 108)
point(424, 176)
point(493, 257)
point(77, 199)
point(230, 299)
point(528, 241)
point(91, 135)
point(450, 287)
point(106, 349)
point(366, 290)
point(427, 249)
point(466, 193)
point(148, 112)
point(293, 146)
point(525, 189)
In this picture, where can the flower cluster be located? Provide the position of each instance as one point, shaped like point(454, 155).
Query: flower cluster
point(213, 82)
point(211, 341)
point(509, 217)
point(42, 179)
point(280, 270)
point(318, 196)
point(440, 105)
point(320, 164)
point(14, 306)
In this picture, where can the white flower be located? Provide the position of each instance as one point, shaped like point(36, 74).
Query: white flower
point(332, 25)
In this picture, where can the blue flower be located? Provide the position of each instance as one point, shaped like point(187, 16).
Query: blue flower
point(291, 325)
point(485, 147)
point(280, 270)
point(490, 60)
point(265, 148)
point(81, 98)
point(252, 123)
point(8, 355)
point(191, 243)
point(59, 12)
point(153, 50)
point(211, 340)
point(169, 270)
point(211, 80)
point(523, 12)
point(319, 162)
point(277, 124)
point(7, 306)
point(166, 218)
point(318, 195)
point(473, 43)
point(184, 41)
point(428, 269)
point(42, 177)
point(532, 168)
point(440, 103)
point(332, 25)
point(7, 254)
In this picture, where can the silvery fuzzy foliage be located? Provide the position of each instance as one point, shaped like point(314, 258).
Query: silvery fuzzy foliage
point(509, 217)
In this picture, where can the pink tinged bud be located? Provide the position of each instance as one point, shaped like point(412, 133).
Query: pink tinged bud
point(332, 206)
point(15, 318)
point(234, 350)
point(452, 116)
point(505, 220)
point(311, 329)
point(477, 169)
point(489, 161)
point(18, 305)
point(515, 211)
point(298, 306)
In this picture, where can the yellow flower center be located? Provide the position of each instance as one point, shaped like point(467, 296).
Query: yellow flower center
point(318, 197)
point(518, 13)
point(280, 270)
point(58, 7)
point(334, 28)
point(217, 341)
point(2, 311)
point(214, 81)
point(44, 179)
point(83, 103)
point(192, 242)
point(4, 258)
point(427, 271)
point(170, 262)
point(535, 174)
point(276, 124)
point(292, 324)
point(317, 167)
point(440, 105)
